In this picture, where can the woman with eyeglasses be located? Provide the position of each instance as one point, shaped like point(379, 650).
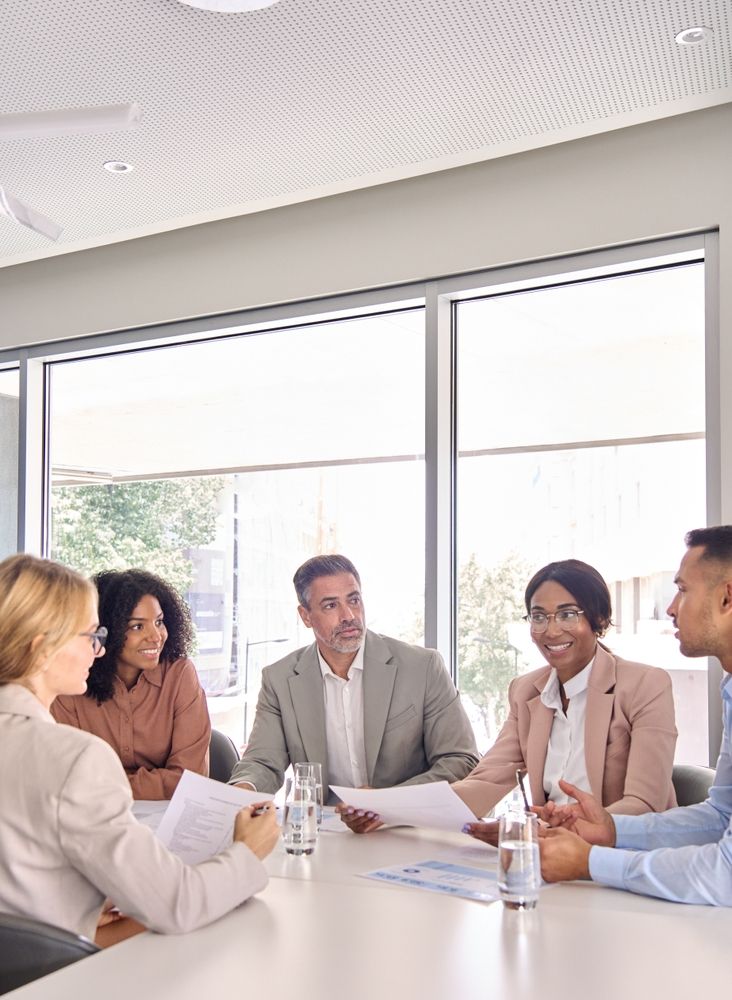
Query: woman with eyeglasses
point(143, 696)
point(69, 839)
point(588, 717)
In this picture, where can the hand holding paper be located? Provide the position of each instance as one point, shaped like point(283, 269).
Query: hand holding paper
point(199, 822)
point(433, 805)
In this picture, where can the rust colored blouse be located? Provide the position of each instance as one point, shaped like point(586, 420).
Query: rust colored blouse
point(158, 728)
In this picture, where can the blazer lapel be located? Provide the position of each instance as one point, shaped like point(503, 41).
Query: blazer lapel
point(306, 691)
point(537, 742)
point(600, 699)
point(379, 674)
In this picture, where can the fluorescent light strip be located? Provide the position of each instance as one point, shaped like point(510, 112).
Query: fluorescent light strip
point(70, 121)
point(24, 215)
point(229, 6)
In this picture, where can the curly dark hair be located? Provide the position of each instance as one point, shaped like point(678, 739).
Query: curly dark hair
point(119, 593)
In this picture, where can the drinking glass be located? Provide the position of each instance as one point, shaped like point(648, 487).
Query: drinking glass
point(299, 829)
point(519, 869)
point(314, 771)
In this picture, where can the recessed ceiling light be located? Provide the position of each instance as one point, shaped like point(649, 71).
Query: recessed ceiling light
point(694, 36)
point(229, 6)
point(118, 167)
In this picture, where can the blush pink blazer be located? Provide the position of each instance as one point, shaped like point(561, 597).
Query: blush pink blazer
point(630, 736)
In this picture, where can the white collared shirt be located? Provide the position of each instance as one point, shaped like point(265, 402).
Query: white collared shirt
point(565, 755)
point(344, 723)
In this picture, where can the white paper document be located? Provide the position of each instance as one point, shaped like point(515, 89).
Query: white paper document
point(434, 804)
point(442, 876)
point(199, 821)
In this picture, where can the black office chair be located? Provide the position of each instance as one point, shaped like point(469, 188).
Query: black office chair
point(30, 949)
point(222, 755)
point(692, 783)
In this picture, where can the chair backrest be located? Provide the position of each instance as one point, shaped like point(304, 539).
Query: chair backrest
point(30, 949)
point(222, 755)
point(692, 783)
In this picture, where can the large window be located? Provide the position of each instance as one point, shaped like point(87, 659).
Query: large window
point(450, 437)
point(8, 461)
point(581, 434)
point(223, 465)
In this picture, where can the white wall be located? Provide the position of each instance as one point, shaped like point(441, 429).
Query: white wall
point(639, 183)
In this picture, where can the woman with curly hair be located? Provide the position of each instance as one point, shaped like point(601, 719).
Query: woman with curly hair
point(143, 696)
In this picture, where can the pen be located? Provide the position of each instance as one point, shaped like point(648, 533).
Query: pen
point(520, 775)
point(260, 810)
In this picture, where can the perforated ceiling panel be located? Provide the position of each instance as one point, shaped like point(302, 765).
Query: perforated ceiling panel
point(244, 111)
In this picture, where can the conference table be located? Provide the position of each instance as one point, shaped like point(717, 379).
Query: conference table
point(321, 930)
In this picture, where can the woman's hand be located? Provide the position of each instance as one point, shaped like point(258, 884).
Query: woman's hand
point(487, 832)
point(113, 927)
point(358, 820)
point(585, 817)
point(260, 832)
point(109, 915)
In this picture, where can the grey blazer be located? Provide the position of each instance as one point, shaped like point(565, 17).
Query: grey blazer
point(415, 727)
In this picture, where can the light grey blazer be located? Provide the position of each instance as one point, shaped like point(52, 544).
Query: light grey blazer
point(69, 838)
point(415, 727)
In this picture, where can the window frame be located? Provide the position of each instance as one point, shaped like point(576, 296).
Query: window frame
point(439, 297)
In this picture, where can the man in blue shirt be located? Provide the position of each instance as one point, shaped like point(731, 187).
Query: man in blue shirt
point(683, 854)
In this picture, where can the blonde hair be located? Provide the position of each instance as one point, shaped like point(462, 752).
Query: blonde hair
point(38, 597)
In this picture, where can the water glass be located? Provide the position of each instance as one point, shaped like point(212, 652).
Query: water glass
point(299, 828)
point(314, 771)
point(519, 868)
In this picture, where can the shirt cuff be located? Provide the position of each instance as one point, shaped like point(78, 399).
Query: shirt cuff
point(630, 831)
point(607, 866)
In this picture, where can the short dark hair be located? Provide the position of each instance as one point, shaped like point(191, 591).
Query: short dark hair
point(320, 566)
point(119, 594)
point(584, 583)
point(716, 542)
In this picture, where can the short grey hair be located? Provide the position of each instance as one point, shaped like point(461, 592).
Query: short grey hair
point(320, 566)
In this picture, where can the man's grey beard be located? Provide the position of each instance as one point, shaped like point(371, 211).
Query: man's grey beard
point(346, 645)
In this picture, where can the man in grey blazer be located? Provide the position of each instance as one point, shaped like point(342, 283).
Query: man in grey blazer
point(372, 710)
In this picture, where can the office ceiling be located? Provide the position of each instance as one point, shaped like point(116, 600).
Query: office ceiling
point(245, 112)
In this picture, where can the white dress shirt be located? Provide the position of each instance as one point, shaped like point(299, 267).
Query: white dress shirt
point(565, 755)
point(344, 723)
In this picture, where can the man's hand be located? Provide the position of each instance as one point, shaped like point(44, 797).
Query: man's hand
point(487, 832)
point(358, 820)
point(564, 856)
point(259, 832)
point(585, 817)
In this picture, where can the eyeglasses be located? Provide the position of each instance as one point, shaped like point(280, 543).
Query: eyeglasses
point(567, 618)
point(98, 639)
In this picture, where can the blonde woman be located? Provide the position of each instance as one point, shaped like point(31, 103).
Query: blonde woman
point(68, 834)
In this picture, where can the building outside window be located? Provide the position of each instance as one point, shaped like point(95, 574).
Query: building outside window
point(581, 417)
point(224, 465)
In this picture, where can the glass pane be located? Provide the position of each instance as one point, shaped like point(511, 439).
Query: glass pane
point(581, 434)
point(9, 391)
point(224, 465)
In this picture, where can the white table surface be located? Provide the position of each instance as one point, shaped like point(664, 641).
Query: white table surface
point(319, 930)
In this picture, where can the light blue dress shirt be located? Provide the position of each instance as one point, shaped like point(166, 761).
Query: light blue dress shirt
point(683, 854)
